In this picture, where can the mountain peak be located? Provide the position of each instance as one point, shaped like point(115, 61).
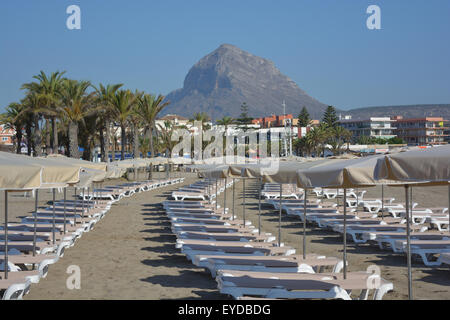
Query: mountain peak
point(221, 81)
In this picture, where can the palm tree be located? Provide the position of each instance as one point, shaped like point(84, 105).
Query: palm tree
point(303, 145)
point(226, 122)
point(144, 145)
point(47, 89)
point(338, 137)
point(122, 104)
point(104, 96)
point(31, 111)
point(75, 105)
point(202, 117)
point(13, 119)
point(166, 137)
point(317, 137)
point(147, 109)
point(135, 121)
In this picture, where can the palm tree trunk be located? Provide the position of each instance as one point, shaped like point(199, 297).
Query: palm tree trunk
point(73, 138)
point(19, 140)
point(37, 140)
point(123, 141)
point(47, 136)
point(102, 144)
point(136, 152)
point(107, 141)
point(29, 137)
point(152, 148)
point(55, 136)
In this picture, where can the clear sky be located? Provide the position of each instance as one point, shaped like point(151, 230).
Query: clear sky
point(323, 45)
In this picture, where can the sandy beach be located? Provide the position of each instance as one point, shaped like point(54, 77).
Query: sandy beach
point(131, 253)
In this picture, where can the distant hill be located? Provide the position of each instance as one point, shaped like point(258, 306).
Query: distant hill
point(221, 81)
point(407, 111)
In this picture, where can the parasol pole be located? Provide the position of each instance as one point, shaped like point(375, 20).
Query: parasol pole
point(304, 221)
point(259, 206)
point(279, 216)
point(5, 264)
point(408, 242)
point(35, 220)
point(345, 234)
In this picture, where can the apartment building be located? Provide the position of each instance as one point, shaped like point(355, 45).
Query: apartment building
point(276, 121)
point(6, 136)
point(422, 131)
point(375, 127)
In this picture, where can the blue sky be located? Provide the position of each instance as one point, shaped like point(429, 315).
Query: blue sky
point(323, 45)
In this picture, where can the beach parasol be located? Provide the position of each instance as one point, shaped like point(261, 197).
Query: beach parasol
point(425, 167)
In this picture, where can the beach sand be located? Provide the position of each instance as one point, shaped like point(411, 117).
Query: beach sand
point(131, 253)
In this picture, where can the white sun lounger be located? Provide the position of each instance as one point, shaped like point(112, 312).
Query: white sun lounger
point(191, 248)
point(387, 240)
point(356, 232)
point(226, 236)
point(285, 264)
point(14, 288)
point(426, 250)
point(301, 285)
point(445, 258)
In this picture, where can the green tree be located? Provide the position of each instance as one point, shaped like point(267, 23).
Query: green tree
point(122, 103)
point(167, 144)
point(32, 112)
point(304, 119)
point(244, 119)
point(338, 136)
point(147, 109)
point(330, 118)
point(75, 105)
point(104, 96)
point(226, 122)
point(317, 137)
point(303, 146)
point(12, 119)
point(47, 89)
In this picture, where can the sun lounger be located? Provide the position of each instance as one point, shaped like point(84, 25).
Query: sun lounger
point(355, 233)
point(42, 247)
point(386, 240)
point(445, 258)
point(401, 212)
point(181, 195)
point(300, 212)
point(192, 248)
point(206, 221)
point(179, 227)
point(14, 288)
point(285, 264)
point(24, 261)
point(438, 222)
point(226, 236)
point(427, 250)
point(302, 285)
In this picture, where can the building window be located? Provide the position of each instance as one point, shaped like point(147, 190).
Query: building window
point(5, 139)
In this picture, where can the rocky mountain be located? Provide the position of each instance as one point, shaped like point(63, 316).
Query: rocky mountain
point(407, 111)
point(221, 81)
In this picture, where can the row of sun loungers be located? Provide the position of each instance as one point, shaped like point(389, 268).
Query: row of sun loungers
point(248, 263)
point(430, 239)
point(53, 237)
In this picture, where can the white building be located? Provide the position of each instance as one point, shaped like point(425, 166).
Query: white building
point(376, 127)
